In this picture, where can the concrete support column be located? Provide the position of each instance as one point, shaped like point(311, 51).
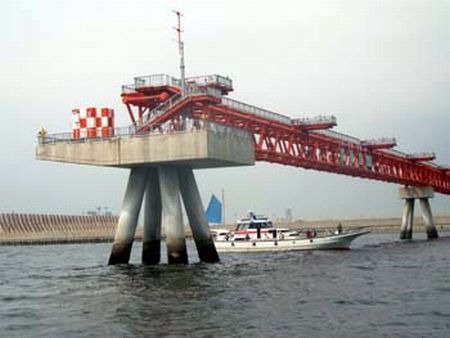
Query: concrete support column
point(196, 213)
point(408, 219)
point(428, 219)
point(129, 214)
point(409, 194)
point(151, 242)
point(171, 215)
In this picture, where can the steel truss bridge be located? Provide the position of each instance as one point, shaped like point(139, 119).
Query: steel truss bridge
point(309, 143)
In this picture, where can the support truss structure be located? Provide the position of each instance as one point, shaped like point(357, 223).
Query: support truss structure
point(302, 142)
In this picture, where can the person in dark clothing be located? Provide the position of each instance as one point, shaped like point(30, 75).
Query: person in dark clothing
point(308, 234)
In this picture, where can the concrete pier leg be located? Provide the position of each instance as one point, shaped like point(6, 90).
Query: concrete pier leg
point(171, 215)
point(194, 208)
point(424, 194)
point(408, 218)
point(151, 242)
point(126, 228)
point(428, 219)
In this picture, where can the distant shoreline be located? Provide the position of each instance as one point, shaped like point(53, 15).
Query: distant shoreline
point(25, 229)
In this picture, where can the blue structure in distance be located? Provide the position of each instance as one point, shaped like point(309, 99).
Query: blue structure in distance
point(214, 211)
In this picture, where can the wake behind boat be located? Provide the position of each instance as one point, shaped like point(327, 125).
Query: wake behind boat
point(257, 234)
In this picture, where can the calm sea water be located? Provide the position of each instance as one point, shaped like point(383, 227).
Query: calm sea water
point(380, 288)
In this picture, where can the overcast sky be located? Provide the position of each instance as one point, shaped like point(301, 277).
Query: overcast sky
point(381, 67)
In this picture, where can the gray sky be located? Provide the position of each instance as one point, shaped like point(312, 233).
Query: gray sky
point(381, 67)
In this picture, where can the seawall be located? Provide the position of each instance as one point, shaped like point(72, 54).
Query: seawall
point(391, 224)
point(18, 228)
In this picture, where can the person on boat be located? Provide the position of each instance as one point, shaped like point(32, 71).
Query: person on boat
point(314, 232)
point(308, 234)
point(339, 229)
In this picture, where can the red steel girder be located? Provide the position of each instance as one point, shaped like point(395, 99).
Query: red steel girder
point(281, 143)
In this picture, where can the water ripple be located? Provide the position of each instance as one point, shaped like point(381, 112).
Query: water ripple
point(382, 288)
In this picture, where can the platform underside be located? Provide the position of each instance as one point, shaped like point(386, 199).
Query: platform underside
point(197, 149)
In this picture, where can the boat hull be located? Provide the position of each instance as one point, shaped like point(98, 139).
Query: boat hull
point(335, 242)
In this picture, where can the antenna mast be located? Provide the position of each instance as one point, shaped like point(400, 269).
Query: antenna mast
point(181, 52)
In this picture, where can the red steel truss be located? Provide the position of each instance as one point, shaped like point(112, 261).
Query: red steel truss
point(302, 143)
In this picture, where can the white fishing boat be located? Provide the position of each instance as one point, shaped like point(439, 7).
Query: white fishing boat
point(257, 234)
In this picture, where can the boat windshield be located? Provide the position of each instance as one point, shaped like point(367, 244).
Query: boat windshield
point(253, 225)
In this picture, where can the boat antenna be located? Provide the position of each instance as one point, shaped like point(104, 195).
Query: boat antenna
point(180, 51)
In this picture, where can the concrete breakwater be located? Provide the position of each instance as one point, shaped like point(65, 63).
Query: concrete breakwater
point(18, 228)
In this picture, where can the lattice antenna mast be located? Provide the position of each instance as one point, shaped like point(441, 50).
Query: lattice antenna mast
point(181, 52)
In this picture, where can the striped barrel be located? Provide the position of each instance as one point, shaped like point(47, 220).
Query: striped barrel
point(92, 122)
point(75, 123)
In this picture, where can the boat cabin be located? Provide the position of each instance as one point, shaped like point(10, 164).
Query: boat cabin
point(253, 222)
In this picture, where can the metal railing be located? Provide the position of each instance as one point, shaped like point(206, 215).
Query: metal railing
point(68, 137)
point(356, 141)
point(423, 155)
point(379, 141)
point(167, 80)
point(394, 152)
point(305, 121)
point(182, 125)
point(191, 90)
point(156, 80)
point(247, 108)
point(163, 106)
point(128, 89)
point(339, 136)
point(205, 80)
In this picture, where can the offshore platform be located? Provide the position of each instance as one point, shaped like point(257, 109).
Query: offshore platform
point(182, 124)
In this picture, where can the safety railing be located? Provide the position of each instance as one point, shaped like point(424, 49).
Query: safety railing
point(394, 152)
point(181, 125)
point(191, 90)
point(357, 141)
point(247, 108)
point(156, 80)
point(214, 79)
point(339, 136)
point(445, 168)
point(128, 89)
point(379, 141)
point(167, 80)
point(424, 156)
point(162, 107)
point(320, 119)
